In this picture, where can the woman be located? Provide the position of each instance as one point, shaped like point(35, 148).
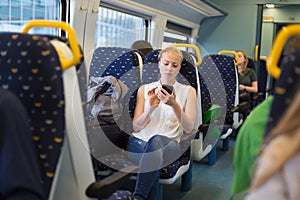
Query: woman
point(247, 76)
point(160, 118)
point(277, 173)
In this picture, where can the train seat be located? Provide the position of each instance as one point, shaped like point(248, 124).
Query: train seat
point(118, 160)
point(263, 80)
point(285, 88)
point(123, 64)
point(220, 76)
point(38, 70)
point(26, 72)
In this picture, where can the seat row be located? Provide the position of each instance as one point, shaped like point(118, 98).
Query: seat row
point(54, 94)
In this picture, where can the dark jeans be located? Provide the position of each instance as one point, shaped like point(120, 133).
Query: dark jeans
point(151, 156)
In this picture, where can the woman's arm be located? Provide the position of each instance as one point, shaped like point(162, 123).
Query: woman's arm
point(251, 89)
point(142, 117)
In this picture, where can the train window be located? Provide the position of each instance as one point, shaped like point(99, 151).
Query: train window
point(176, 34)
point(15, 13)
point(120, 28)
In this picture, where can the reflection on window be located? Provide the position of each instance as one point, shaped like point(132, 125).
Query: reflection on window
point(171, 38)
point(15, 13)
point(118, 29)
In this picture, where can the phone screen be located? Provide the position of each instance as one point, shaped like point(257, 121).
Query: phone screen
point(168, 88)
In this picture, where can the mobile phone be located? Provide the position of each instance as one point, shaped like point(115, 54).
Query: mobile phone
point(168, 88)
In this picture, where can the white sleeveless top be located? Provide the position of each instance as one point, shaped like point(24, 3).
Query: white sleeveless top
point(163, 120)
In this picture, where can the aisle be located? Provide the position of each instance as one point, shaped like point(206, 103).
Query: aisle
point(209, 182)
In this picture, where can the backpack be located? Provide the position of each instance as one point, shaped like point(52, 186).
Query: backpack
point(106, 99)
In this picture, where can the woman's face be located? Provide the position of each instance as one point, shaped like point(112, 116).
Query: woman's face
point(169, 65)
point(241, 57)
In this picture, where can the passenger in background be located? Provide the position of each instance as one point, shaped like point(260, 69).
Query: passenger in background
point(277, 172)
point(19, 170)
point(160, 118)
point(247, 76)
point(143, 46)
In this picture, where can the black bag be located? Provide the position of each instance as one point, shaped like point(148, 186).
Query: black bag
point(106, 99)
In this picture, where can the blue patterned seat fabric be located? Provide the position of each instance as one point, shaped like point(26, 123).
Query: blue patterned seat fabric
point(123, 64)
point(286, 87)
point(30, 68)
point(218, 86)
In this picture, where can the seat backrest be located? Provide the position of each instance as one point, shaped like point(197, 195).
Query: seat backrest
point(187, 73)
point(25, 71)
point(31, 68)
point(286, 86)
point(219, 84)
point(262, 80)
point(124, 64)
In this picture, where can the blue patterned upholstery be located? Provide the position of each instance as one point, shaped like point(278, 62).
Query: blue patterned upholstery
point(219, 80)
point(30, 68)
point(122, 63)
point(121, 195)
point(285, 88)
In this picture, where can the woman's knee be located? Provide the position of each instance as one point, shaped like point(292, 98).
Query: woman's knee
point(158, 142)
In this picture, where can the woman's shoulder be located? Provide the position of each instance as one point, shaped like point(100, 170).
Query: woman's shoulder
point(182, 85)
point(150, 84)
point(249, 70)
point(187, 88)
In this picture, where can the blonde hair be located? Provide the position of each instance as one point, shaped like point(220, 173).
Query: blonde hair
point(245, 64)
point(171, 49)
point(289, 128)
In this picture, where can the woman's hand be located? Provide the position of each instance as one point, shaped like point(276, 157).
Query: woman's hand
point(153, 99)
point(165, 97)
point(242, 87)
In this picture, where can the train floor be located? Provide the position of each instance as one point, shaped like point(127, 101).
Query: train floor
point(209, 182)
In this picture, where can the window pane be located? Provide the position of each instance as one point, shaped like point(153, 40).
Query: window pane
point(15, 13)
point(118, 29)
point(176, 34)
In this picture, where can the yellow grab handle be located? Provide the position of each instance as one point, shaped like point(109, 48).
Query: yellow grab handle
point(71, 37)
point(197, 51)
point(284, 34)
point(256, 53)
point(235, 54)
point(264, 57)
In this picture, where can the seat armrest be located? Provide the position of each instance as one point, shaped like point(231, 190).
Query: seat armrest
point(106, 187)
point(241, 108)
